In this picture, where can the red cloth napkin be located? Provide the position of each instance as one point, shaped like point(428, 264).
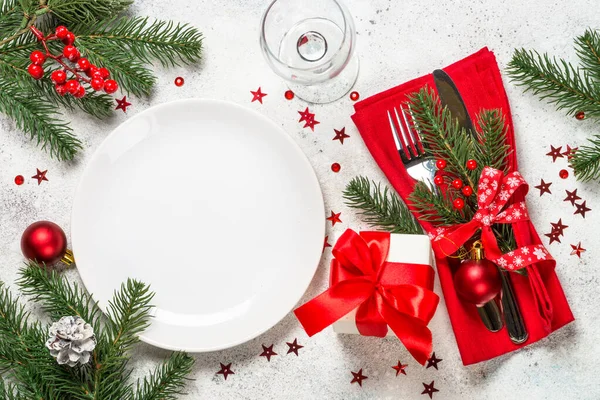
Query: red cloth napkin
point(540, 295)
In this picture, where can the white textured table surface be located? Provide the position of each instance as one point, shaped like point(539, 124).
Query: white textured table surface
point(397, 41)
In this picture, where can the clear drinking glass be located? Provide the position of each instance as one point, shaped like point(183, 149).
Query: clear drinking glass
point(311, 44)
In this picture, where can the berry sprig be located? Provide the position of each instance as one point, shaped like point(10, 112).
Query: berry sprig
point(457, 183)
point(96, 77)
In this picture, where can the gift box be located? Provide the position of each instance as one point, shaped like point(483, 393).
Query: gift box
point(379, 282)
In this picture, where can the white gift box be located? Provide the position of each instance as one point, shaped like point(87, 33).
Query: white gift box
point(412, 249)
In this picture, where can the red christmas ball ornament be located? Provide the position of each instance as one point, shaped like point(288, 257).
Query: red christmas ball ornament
point(471, 164)
point(35, 71)
point(59, 76)
point(45, 242)
point(438, 180)
point(440, 164)
point(61, 32)
point(110, 86)
point(37, 57)
point(457, 184)
point(458, 203)
point(467, 190)
point(478, 280)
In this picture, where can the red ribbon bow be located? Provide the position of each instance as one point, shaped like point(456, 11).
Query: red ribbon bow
point(386, 293)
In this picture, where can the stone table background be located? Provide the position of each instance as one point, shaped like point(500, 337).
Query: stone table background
point(397, 41)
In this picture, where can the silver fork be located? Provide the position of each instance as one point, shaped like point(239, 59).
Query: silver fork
point(420, 166)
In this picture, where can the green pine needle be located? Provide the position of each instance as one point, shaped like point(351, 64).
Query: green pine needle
point(491, 148)
point(586, 160)
point(73, 12)
point(167, 380)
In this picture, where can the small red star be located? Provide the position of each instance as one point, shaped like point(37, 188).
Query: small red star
point(554, 236)
point(335, 218)
point(40, 176)
point(577, 250)
point(305, 115)
point(340, 135)
point(258, 95)
point(358, 377)
point(572, 197)
point(294, 347)
point(311, 123)
point(555, 153)
point(581, 209)
point(326, 243)
point(268, 352)
point(433, 361)
point(429, 389)
point(544, 187)
point(569, 152)
point(400, 368)
point(226, 370)
point(558, 227)
point(122, 104)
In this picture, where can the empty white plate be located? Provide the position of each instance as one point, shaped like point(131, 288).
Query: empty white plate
point(211, 204)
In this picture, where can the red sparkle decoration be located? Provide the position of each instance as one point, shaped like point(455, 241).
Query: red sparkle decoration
point(400, 368)
point(268, 352)
point(289, 95)
point(544, 187)
point(122, 104)
point(577, 250)
point(559, 227)
point(358, 377)
point(335, 167)
point(326, 243)
point(334, 218)
point(294, 347)
point(581, 209)
point(554, 236)
point(555, 153)
point(569, 152)
point(19, 180)
point(564, 174)
point(433, 361)
point(225, 370)
point(40, 176)
point(354, 96)
point(179, 81)
point(572, 197)
point(580, 115)
point(340, 135)
point(308, 118)
point(257, 95)
point(429, 389)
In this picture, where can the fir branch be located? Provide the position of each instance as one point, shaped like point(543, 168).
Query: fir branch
point(491, 148)
point(434, 207)
point(586, 160)
point(167, 380)
point(10, 391)
point(380, 209)
point(72, 12)
point(588, 50)
point(557, 81)
point(11, 15)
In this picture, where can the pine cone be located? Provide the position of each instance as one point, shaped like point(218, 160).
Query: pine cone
point(71, 341)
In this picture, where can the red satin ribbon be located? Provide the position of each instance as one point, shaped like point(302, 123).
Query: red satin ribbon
point(398, 295)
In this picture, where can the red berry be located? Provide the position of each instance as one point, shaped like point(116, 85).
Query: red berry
point(61, 89)
point(97, 74)
point(84, 64)
point(440, 164)
point(471, 164)
point(61, 32)
point(458, 203)
point(438, 180)
point(457, 183)
point(37, 57)
point(59, 76)
point(71, 53)
point(35, 71)
point(69, 38)
point(72, 86)
point(104, 73)
point(97, 83)
point(80, 92)
point(467, 191)
point(91, 70)
point(111, 86)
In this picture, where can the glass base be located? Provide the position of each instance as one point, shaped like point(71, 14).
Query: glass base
point(332, 89)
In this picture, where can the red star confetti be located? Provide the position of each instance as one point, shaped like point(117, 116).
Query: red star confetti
point(225, 370)
point(308, 118)
point(358, 377)
point(122, 104)
point(569, 152)
point(335, 218)
point(268, 352)
point(311, 124)
point(40, 176)
point(429, 389)
point(340, 135)
point(555, 153)
point(582, 209)
point(400, 368)
point(572, 197)
point(577, 250)
point(433, 361)
point(554, 236)
point(558, 227)
point(258, 95)
point(294, 347)
point(544, 187)
point(326, 243)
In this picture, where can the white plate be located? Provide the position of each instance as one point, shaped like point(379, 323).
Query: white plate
point(215, 207)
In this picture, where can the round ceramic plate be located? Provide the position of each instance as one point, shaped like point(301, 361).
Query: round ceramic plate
point(215, 207)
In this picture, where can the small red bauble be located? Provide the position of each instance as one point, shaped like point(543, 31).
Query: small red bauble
point(84, 64)
point(72, 86)
point(457, 183)
point(97, 83)
point(69, 38)
point(110, 86)
point(61, 32)
point(35, 71)
point(59, 76)
point(467, 190)
point(563, 173)
point(458, 203)
point(80, 93)
point(289, 95)
point(71, 53)
point(477, 281)
point(179, 81)
point(61, 89)
point(104, 73)
point(19, 180)
point(438, 180)
point(440, 164)
point(37, 57)
point(354, 96)
point(471, 165)
point(44, 242)
point(335, 167)
point(580, 115)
